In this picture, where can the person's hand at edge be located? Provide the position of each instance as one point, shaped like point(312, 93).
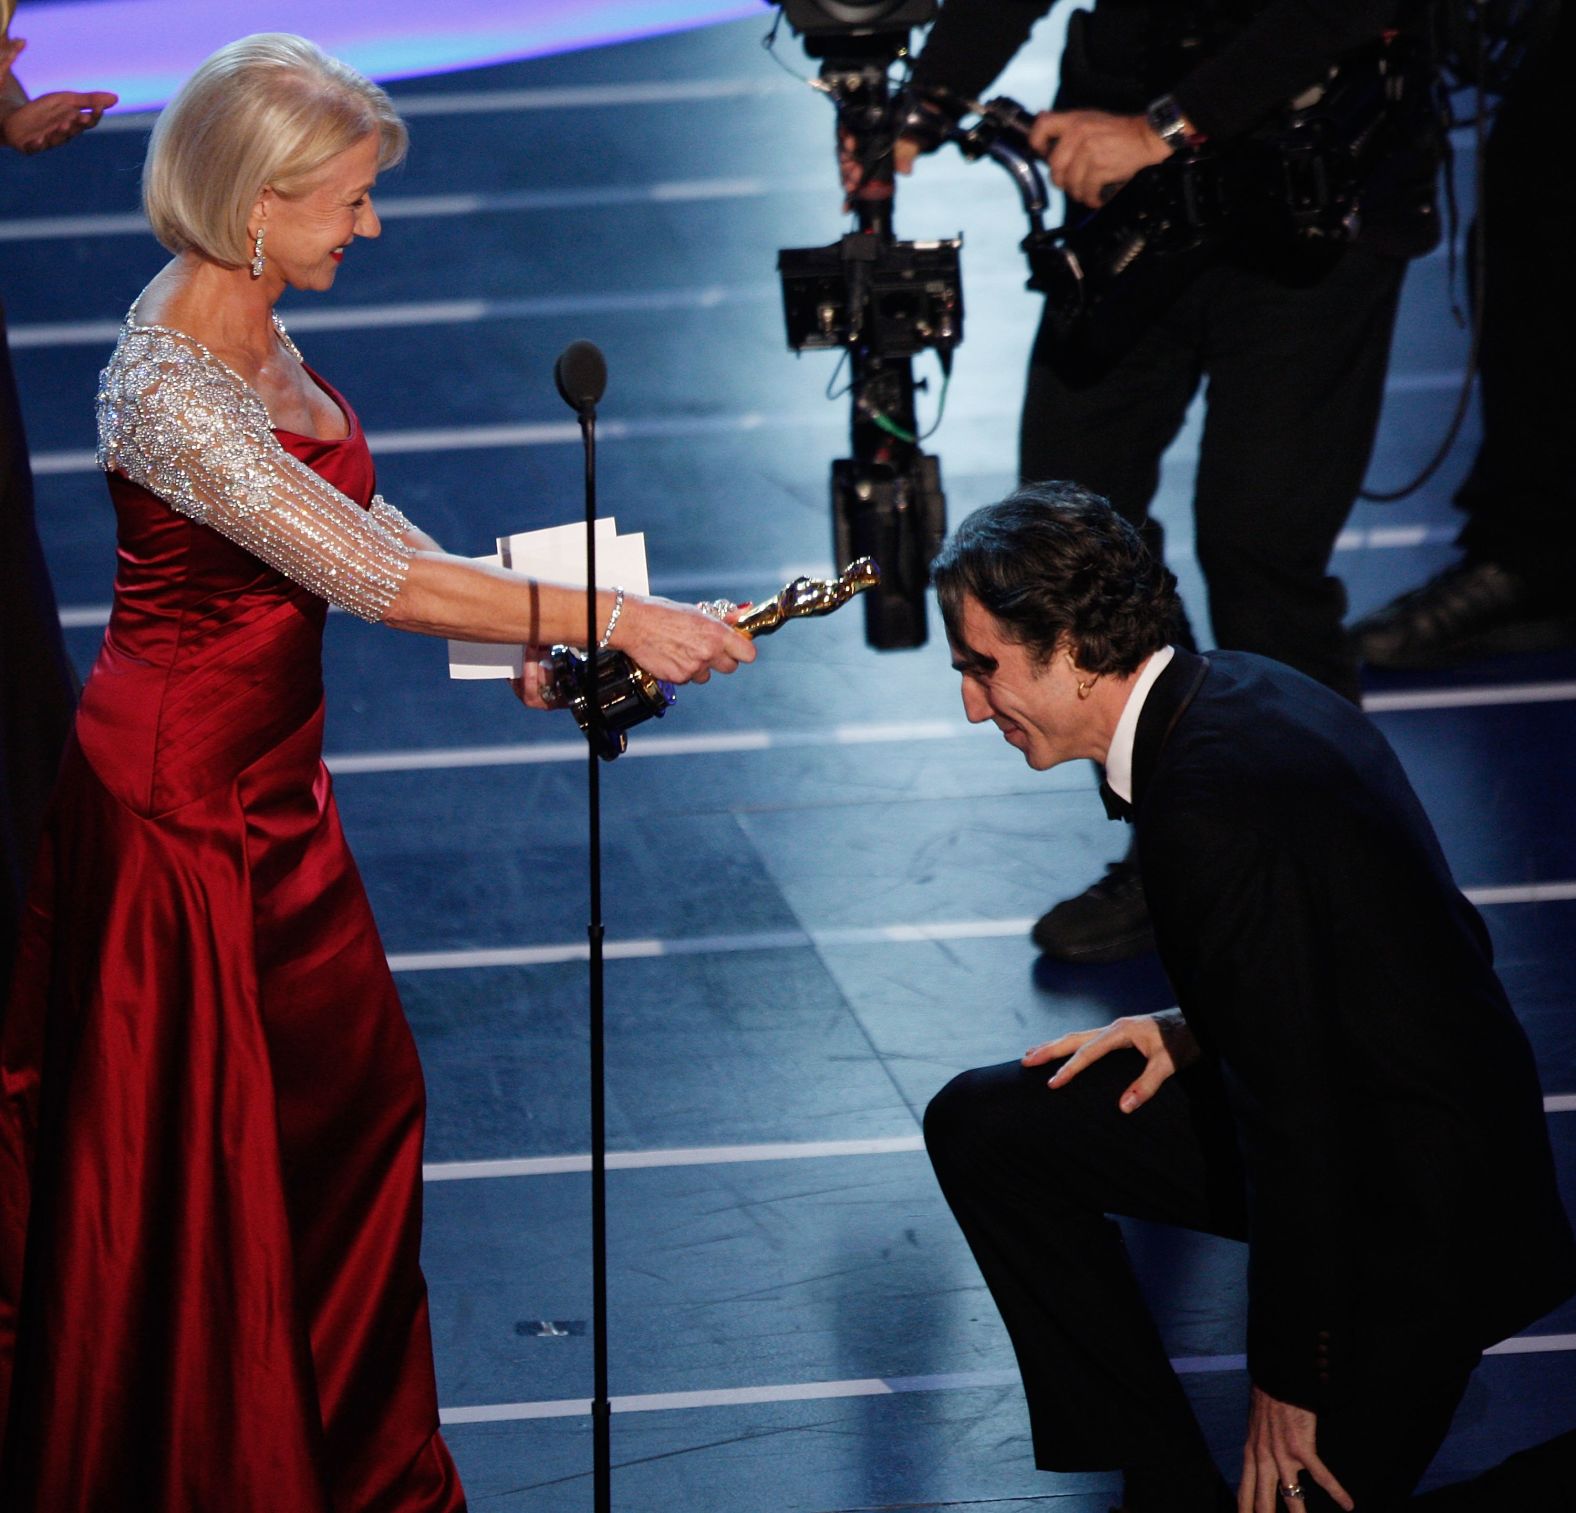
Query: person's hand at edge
point(1163, 1040)
point(1280, 1451)
point(54, 119)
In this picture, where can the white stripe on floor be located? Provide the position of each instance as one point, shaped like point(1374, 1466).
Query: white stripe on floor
point(526, 434)
point(1469, 698)
point(1524, 893)
point(304, 319)
point(43, 228)
point(77, 228)
point(662, 743)
point(1424, 383)
point(708, 1155)
point(307, 320)
point(871, 1386)
point(1533, 1344)
point(646, 948)
point(56, 464)
point(727, 1155)
point(567, 432)
point(567, 97)
point(84, 616)
point(76, 616)
point(1391, 537)
point(656, 743)
point(547, 433)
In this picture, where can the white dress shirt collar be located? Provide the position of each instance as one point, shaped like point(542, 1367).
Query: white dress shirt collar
point(1119, 759)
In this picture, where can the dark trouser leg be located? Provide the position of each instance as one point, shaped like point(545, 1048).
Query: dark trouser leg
point(1521, 496)
point(1296, 379)
point(1031, 1175)
point(1109, 435)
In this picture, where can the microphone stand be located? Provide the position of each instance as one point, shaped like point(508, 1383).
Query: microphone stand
point(601, 1408)
point(581, 376)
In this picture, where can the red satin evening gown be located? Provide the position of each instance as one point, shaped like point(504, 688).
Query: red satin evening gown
point(210, 1090)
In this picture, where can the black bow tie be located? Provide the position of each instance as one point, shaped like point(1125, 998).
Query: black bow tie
point(1116, 807)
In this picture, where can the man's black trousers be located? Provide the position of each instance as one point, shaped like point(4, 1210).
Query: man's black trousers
point(1294, 363)
point(1520, 498)
point(1032, 1174)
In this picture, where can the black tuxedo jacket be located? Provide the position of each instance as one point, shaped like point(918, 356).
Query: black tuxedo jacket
point(1401, 1186)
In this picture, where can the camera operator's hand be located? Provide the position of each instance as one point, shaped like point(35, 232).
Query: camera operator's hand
point(858, 182)
point(1093, 153)
point(904, 151)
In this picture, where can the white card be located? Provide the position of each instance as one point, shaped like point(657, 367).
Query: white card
point(556, 554)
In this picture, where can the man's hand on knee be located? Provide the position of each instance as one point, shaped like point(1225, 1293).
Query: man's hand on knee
point(1278, 1454)
point(1163, 1040)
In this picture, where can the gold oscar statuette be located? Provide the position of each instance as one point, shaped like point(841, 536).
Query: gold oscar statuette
point(610, 693)
point(800, 599)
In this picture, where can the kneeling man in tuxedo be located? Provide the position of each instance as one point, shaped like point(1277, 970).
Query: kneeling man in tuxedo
point(1343, 1085)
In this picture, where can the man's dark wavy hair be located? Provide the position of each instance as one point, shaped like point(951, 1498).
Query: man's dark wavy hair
point(1053, 562)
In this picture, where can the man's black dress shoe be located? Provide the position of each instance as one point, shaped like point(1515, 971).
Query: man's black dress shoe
point(1108, 921)
point(1474, 609)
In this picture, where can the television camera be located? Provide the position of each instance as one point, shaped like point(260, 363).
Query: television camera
point(881, 302)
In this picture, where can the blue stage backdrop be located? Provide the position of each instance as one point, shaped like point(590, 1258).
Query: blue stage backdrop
point(142, 49)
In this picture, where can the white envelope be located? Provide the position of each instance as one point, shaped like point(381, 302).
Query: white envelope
point(554, 555)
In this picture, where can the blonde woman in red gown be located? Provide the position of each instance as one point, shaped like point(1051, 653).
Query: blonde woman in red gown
point(210, 1104)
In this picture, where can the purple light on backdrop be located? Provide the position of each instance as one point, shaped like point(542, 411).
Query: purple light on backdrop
point(142, 49)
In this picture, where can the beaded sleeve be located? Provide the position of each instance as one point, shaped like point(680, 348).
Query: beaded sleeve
point(175, 419)
point(389, 516)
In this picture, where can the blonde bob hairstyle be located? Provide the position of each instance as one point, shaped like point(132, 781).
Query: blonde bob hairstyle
point(266, 112)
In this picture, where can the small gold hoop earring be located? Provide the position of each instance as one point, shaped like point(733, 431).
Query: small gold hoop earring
point(1083, 689)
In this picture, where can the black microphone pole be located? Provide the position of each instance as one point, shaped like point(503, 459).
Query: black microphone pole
point(581, 376)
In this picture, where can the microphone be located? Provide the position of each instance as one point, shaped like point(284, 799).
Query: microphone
point(581, 376)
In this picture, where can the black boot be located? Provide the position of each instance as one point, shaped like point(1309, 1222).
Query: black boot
point(1474, 609)
point(1108, 921)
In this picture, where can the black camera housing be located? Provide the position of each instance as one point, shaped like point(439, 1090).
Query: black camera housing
point(895, 512)
point(855, 18)
point(879, 302)
point(893, 299)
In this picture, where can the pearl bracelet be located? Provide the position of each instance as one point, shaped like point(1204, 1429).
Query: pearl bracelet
point(612, 619)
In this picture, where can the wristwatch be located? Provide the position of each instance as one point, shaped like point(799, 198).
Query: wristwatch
point(1171, 126)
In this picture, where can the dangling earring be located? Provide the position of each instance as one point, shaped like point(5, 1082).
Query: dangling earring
point(258, 260)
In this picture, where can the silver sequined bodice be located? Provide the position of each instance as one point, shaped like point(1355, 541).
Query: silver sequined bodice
point(177, 420)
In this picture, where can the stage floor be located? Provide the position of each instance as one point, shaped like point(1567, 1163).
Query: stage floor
point(818, 878)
